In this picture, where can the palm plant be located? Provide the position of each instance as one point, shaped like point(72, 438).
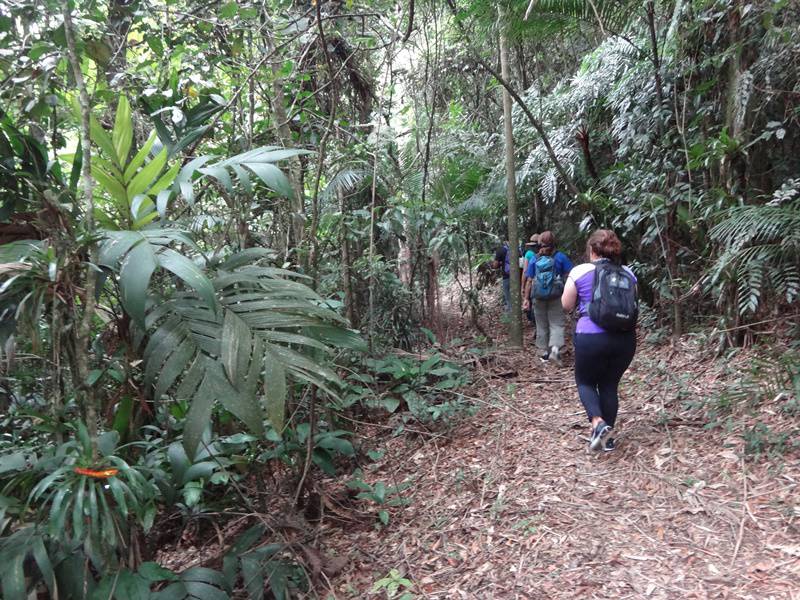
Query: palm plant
point(761, 250)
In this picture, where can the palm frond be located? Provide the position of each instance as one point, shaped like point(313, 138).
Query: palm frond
point(266, 327)
point(761, 252)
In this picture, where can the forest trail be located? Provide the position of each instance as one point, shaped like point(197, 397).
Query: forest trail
point(509, 504)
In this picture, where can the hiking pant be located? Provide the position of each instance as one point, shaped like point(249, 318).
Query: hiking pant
point(507, 293)
point(600, 361)
point(549, 318)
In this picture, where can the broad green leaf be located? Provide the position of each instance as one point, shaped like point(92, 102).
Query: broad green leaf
point(12, 577)
point(141, 206)
point(134, 279)
point(236, 343)
point(275, 391)
point(330, 442)
point(294, 338)
point(118, 491)
point(199, 416)
point(244, 179)
point(96, 132)
point(172, 369)
point(204, 575)
point(165, 180)
point(191, 380)
point(163, 341)
point(139, 158)
point(229, 10)
point(190, 273)
point(247, 410)
point(132, 587)
point(102, 139)
point(161, 202)
point(248, 256)
point(338, 337)
point(122, 134)
point(77, 508)
point(220, 174)
point(273, 178)
point(152, 571)
point(174, 591)
point(138, 224)
point(58, 511)
point(116, 245)
point(110, 185)
point(268, 155)
point(253, 576)
point(204, 591)
point(250, 386)
point(147, 175)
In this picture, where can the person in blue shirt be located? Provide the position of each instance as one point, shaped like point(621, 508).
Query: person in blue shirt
point(531, 248)
point(545, 279)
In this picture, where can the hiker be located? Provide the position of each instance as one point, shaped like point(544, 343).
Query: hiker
point(502, 258)
point(605, 335)
point(545, 283)
point(531, 248)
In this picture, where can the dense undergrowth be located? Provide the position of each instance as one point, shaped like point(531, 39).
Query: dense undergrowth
point(225, 232)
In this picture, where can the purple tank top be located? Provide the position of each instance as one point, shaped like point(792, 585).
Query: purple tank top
point(583, 276)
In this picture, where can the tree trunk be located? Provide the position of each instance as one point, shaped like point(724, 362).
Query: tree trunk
point(347, 283)
point(515, 326)
point(281, 122)
point(85, 392)
point(668, 244)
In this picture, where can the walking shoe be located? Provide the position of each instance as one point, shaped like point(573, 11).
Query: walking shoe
point(544, 357)
point(554, 357)
point(599, 435)
point(609, 447)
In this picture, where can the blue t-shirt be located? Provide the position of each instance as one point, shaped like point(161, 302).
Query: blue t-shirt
point(561, 266)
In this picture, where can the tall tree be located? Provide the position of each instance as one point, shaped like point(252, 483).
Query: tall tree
point(515, 325)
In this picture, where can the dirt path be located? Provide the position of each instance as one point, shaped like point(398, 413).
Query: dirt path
point(509, 504)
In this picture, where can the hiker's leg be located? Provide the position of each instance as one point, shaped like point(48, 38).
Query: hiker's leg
point(542, 324)
point(555, 315)
point(507, 293)
point(621, 348)
point(588, 371)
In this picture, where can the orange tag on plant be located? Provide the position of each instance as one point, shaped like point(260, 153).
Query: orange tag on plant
point(101, 474)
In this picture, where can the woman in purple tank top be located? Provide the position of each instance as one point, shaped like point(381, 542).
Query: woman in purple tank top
point(601, 357)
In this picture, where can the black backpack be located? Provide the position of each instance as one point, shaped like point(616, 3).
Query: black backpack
point(615, 302)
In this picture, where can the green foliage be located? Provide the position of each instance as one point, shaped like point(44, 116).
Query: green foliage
point(761, 249)
point(393, 584)
point(326, 447)
point(260, 329)
point(380, 494)
point(131, 187)
point(427, 389)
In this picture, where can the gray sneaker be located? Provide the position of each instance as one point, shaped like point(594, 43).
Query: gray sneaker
point(599, 435)
point(555, 357)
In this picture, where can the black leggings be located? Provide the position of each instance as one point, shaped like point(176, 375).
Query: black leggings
point(600, 361)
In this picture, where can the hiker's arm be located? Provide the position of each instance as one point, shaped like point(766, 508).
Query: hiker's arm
point(566, 264)
point(570, 296)
point(526, 294)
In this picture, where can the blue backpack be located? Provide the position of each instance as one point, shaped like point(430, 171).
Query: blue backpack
point(507, 260)
point(547, 285)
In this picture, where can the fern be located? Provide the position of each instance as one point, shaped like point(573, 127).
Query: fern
point(761, 251)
